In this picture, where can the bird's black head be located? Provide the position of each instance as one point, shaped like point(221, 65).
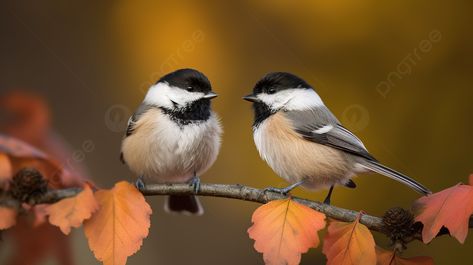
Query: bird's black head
point(274, 92)
point(275, 82)
point(188, 79)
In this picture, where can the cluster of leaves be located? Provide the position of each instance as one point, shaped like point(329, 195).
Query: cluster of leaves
point(284, 229)
point(115, 221)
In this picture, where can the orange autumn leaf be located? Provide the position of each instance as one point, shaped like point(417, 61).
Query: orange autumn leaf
point(349, 244)
point(5, 168)
point(391, 258)
point(450, 208)
point(118, 228)
point(72, 212)
point(7, 217)
point(283, 229)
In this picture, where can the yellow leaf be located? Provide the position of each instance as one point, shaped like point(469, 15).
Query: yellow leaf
point(116, 231)
point(283, 229)
point(349, 244)
point(72, 212)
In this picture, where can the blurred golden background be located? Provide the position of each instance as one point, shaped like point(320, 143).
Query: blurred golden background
point(397, 73)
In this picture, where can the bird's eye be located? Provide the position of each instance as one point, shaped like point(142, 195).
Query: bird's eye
point(272, 90)
point(190, 89)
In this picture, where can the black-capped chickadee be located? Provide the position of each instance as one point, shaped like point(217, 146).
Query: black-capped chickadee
point(174, 136)
point(304, 143)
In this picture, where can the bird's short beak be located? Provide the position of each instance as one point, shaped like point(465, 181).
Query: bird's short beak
point(210, 95)
point(251, 98)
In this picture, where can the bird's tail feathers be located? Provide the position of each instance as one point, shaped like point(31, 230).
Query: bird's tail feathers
point(187, 205)
point(388, 172)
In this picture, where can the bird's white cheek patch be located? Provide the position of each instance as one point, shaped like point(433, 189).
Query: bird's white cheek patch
point(303, 99)
point(275, 101)
point(158, 95)
point(183, 97)
point(164, 95)
point(292, 99)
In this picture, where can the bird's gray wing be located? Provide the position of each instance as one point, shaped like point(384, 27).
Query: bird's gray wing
point(134, 118)
point(131, 125)
point(130, 128)
point(321, 126)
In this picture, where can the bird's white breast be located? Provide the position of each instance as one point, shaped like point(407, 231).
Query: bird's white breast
point(161, 150)
point(294, 158)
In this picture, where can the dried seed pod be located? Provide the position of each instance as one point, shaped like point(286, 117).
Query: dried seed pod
point(399, 224)
point(27, 185)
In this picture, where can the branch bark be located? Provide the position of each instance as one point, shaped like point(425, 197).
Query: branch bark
point(240, 192)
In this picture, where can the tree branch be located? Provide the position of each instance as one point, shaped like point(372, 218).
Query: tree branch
point(239, 192)
point(246, 193)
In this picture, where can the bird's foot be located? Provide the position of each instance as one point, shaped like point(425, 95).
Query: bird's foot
point(139, 183)
point(283, 191)
point(195, 183)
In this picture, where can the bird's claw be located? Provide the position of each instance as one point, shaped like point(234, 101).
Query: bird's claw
point(282, 191)
point(195, 183)
point(139, 183)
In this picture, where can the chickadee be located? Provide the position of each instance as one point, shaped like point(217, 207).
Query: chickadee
point(174, 136)
point(304, 143)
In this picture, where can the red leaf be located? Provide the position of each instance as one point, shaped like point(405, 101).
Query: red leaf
point(451, 208)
